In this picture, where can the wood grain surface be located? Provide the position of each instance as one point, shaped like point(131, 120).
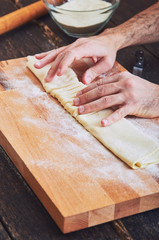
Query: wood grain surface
point(80, 183)
point(21, 214)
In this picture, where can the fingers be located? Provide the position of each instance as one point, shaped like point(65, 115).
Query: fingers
point(66, 60)
point(102, 103)
point(42, 55)
point(81, 48)
point(63, 58)
point(116, 116)
point(57, 67)
point(98, 92)
point(100, 67)
point(53, 70)
point(95, 59)
point(94, 47)
point(48, 57)
point(72, 54)
point(99, 83)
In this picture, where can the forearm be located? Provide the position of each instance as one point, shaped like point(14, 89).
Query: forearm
point(140, 29)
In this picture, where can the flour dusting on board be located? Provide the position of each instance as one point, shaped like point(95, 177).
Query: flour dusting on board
point(91, 158)
point(148, 126)
point(154, 171)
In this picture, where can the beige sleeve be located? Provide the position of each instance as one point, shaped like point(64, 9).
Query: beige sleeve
point(122, 138)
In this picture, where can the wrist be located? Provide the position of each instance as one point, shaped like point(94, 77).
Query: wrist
point(117, 37)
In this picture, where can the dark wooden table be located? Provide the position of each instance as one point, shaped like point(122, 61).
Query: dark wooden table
point(22, 216)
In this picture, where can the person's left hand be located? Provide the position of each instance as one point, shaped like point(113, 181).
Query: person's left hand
point(101, 49)
point(131, 95)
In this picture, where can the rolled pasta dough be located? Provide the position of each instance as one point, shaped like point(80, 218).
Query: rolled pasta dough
point(122, 138)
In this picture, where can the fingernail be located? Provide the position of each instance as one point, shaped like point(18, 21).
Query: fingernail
point(81, 109)
point(36, 56)
point(88, 80)
point(59, 71)
point(37, 64)
point(79, 93)
point(104, 123)
point(47, 79)
point(76, 101)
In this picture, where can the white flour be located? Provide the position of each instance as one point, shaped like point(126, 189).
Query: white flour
point(94, 161)
point(79, 19)
point(148, 126)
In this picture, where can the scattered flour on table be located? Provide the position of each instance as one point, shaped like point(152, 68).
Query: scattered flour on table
point(148, 126)
point(94, 161)
point(154, 171)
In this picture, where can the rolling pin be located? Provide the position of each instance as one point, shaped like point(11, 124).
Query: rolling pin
point(22, 16)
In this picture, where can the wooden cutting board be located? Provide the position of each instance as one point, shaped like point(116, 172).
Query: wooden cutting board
point(80, 182)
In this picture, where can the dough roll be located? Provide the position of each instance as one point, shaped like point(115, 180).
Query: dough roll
point(126, 141)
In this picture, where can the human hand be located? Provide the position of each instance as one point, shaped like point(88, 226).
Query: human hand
point(102, 49)
point(131, 95)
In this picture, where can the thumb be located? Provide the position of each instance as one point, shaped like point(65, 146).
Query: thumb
point(103, 65)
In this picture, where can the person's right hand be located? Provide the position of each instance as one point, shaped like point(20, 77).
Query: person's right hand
point(101, 48)
point(127, 93)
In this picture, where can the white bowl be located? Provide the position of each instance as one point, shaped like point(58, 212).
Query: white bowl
point(81, 18)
